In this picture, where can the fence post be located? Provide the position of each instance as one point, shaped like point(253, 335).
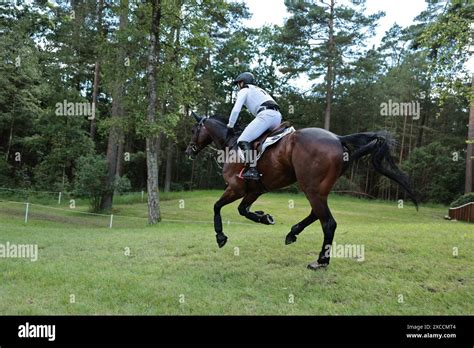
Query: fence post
point(59, 198)
point(111, 220)
point(26, 212)
point(143, 193)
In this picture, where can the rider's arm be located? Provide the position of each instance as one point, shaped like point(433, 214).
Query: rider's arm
point(241, 96)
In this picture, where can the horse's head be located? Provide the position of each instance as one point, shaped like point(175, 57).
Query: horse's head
point(201, 137)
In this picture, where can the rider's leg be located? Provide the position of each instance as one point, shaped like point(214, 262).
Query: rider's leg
point(274, 118)
point(251, 171)
point(268, 119)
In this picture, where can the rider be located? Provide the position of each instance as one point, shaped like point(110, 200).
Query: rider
point(267, 116)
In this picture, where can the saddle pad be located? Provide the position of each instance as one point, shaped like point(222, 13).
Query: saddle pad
point(269, 141)
point(272, 140)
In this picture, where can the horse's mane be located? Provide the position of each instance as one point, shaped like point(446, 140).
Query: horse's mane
point(219, 118)
point(224, 121)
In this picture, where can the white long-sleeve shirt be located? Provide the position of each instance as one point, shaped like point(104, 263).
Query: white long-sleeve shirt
point(252, 97)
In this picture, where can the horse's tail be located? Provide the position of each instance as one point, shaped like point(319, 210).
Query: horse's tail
point(378, 146)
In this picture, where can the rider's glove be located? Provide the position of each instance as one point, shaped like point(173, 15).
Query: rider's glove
point(230, 132)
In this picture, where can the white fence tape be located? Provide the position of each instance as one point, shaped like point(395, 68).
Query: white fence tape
point(112, 216)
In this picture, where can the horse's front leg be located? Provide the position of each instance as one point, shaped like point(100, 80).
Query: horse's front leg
point(258, 216)
point(299, 227)
point(229, 196)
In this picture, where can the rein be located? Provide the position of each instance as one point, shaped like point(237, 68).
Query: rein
point(195, 147)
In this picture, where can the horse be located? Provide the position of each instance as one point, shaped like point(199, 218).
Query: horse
point(313, 157)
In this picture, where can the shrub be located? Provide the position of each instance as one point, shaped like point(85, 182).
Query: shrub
point(122, 185)
point(464, 199)
point(345, 184)
point(5, 173)
point(436, 176)
point(174, 186)
point(89, 181)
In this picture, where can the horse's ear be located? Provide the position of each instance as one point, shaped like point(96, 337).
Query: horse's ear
point(196, 117)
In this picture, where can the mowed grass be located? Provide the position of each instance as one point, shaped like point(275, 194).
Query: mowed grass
point(176, 268)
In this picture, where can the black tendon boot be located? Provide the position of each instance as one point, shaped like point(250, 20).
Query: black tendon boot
point(251, 172)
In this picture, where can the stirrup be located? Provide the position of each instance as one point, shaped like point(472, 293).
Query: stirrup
point(251, 174)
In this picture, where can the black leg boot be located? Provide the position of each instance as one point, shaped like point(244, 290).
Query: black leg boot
point(251, 172)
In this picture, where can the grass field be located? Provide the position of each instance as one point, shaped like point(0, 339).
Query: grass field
point(177, 268)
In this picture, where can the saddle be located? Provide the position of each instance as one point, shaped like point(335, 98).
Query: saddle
point(257, 143)
point(267, 139)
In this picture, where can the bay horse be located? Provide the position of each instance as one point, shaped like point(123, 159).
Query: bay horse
point(313, 157)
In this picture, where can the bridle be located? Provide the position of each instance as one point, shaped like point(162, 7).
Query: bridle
point(193, 144)
point(197, 149)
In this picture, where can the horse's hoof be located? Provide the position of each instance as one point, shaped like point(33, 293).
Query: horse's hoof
point(315, 265)
point(221, 240)
point(290, 238)
point(267, 219)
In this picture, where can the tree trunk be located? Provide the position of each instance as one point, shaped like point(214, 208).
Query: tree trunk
point(470, 147)
point(192, 176)
point(410, 140)
point(330, 69)
point(176, 171)
point(152, 180)
point(402, 145)
point(169, 163)
point(95, 89)
point(94, 99)
point(120, 156)
point(112, 157)
point(173, 60)
point(419, 139)
point(10, 138)
point(114, 150)
point(79, 17)
point(152, 141)
point(115, 142)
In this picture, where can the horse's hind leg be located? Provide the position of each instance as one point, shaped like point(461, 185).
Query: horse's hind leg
point(299, 227)
point(328, 224)
point(258, 216)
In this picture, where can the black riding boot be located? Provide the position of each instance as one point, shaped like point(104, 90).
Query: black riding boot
point(251, 172)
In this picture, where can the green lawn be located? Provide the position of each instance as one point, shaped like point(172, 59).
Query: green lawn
point(177, 268)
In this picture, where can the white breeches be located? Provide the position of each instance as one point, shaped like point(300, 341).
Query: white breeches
point(265, 120)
